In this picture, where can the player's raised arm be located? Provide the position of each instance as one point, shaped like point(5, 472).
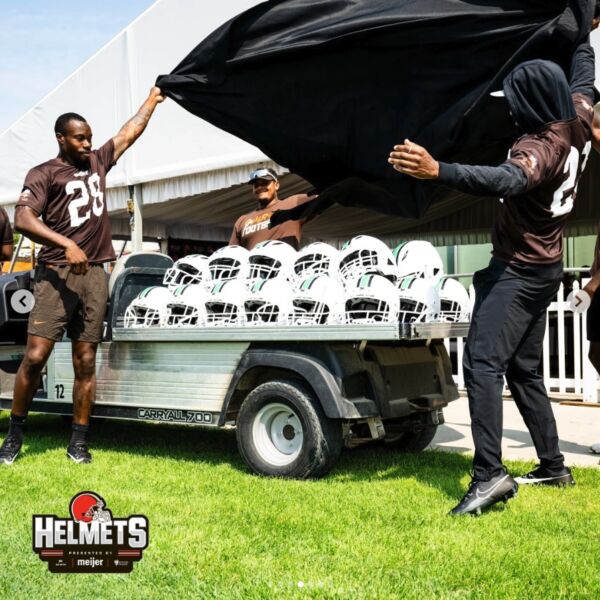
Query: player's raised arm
point(132, 130)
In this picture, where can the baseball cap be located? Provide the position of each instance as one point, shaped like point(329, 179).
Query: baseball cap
point(262, 173)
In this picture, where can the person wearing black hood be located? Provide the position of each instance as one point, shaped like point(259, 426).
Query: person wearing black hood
point(538, 185)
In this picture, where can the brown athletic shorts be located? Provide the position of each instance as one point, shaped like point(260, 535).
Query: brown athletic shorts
point(64, 300)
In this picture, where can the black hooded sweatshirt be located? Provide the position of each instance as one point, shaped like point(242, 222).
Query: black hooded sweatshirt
point(538, 181)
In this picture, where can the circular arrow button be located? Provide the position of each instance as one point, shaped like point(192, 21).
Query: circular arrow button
point(579, 301)
point(22, 301)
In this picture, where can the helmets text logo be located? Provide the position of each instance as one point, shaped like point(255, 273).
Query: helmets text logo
point(91, 540)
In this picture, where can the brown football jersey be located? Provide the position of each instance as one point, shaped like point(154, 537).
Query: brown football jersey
point(253, 228)
point(529, 227)
point(71, 202)
point(6, 234)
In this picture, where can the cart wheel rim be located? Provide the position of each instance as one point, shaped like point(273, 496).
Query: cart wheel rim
point(277, 434)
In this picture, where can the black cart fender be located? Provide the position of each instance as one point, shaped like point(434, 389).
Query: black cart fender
point(313, 372)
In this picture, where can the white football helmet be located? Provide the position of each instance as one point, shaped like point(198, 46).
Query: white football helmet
point(366, 255)
point(319, 300)
point(269, 301)
point(371, 299)
point(271, 260)
point(317, 258)
point(419, 259)
point(189, 269)
point(229, 262)
point(455, 304)
point(225, 304)
point(149, 308)
point(419, 300)
point(187, 307)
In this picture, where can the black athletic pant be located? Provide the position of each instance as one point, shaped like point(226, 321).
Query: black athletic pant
point(505, 338)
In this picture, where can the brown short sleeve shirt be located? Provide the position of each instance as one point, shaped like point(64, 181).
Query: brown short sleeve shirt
point(71, 201)
point(252, 228)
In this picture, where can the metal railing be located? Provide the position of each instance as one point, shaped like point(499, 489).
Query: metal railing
point(567, 370)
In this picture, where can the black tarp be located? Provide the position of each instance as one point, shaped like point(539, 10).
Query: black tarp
point(327, 87)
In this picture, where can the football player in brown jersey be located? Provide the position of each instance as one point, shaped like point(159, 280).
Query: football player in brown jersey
point(254, 227)
point(62, 206)
point(538, 186)
point(6, 238)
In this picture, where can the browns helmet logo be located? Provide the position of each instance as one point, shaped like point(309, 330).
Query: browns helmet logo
point(87, 507)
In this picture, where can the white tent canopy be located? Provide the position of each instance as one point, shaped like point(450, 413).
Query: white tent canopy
point(187, 173)
point(178, 156)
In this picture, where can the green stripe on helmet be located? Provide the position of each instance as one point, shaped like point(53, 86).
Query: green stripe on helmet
point(258, 285)
point(397, 249)
point(365, 281)
point(180, 289)
point(308, 283)
point(145, 292)
point(406, 283)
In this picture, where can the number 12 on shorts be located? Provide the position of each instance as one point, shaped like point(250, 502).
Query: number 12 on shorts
point(86, 189)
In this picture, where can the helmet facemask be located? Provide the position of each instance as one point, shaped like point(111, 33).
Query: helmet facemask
point(187, 270)
point(224, 269)
point(181, 315)
point(310, 312)
point(264, 267)
point(222, 313)
point(412, 311)
point(182, 275)
point(367, 310)
point(142, 316)
point(450, 310)
point(260, 312)
point(358, 262)
point(312, 264)
point(148, 309)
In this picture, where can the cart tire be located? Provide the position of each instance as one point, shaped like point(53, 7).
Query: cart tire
point(282, 431)
point(413, 441)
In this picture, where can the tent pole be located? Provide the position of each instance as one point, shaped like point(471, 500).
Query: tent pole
point(136, 223)
point(15, 254)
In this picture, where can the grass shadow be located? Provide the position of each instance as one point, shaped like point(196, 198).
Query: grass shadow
point(47, 432)
point(373, 462)
point(439, 469)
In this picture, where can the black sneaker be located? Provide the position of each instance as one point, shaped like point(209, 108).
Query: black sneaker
point(79, 454)
point(543, 476)
point(9, 449)
point(482, 494)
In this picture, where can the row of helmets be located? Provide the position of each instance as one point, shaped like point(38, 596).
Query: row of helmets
point(363, 283)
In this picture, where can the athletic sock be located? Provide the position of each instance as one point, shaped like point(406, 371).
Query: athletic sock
point(79, 434)
point(15, 426)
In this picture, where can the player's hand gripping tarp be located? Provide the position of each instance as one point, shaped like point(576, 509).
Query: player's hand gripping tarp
point(327, 87)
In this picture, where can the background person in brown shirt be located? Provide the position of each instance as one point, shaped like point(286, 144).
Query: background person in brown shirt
point(6, 238)
point(252, 228)
point(538, 184)
point(62, 206)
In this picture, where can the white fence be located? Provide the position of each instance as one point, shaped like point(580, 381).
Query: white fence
point(567, 370)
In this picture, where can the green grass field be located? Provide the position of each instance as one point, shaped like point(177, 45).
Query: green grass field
point(376, 527)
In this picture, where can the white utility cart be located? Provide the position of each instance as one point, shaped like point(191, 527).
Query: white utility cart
point(296, 395)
